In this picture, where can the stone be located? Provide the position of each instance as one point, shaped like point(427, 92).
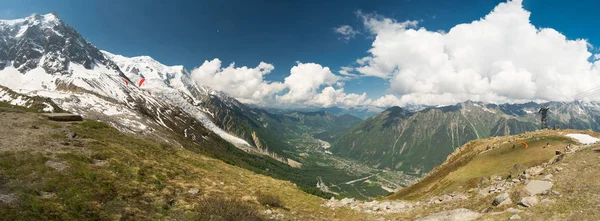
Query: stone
point(453, 215)
point(502, 199)
point(514, 217)
point(483, 181)
point(548, 177)
point(536, 187)
point(558, 168)
point(496, 178)
point(347, 201)
point(529, 201)
point(7, 198)
point(513, 210)
point(63, 117)
point(546, 200)
point(193, 191)
point(60, 166)
point(534, 171)
point(47, 195)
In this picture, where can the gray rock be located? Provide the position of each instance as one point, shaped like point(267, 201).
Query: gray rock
point(534, 171)
point(514, 217)
point(60, 166)
point(558, 168)
point(513, 210)
point(7, 198)
point(536, 187)
point(547, 201)
point(502, 199)
point(193, 191)
point(529, 201)
point(453, 215)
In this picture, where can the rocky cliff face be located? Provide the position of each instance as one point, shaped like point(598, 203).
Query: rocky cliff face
point(47, 42)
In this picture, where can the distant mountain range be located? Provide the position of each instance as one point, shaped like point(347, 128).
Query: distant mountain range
point(415, 142)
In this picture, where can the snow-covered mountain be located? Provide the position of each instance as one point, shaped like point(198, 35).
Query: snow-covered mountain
point(42, 56)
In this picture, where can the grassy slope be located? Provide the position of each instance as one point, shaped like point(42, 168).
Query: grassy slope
point(466, 167)
point(578, 185)
point(110, 175)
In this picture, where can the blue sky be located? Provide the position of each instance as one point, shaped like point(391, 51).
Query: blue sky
point(278, 32)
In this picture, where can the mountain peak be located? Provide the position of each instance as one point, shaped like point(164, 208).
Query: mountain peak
point(34, 19)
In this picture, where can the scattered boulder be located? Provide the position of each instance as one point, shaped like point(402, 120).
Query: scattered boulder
point(534, 171)
point(496, 178)
point(546, 200)
point(502, 199)
point(60, 166)
point(529, 201)
point(193, 191)
point(453, 215)
point(536, 187)
point(558, 169)
point(7, 198)
point(63, 117)
point(515, 217)
point(483, 181)
point(513, 210)
point(47, 195)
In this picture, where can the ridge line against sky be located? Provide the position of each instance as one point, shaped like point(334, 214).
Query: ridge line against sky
point(501, 57)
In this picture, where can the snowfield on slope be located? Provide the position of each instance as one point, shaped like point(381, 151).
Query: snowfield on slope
point(584, 138)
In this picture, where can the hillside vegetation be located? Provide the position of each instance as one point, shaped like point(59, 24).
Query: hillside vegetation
point(90, 171)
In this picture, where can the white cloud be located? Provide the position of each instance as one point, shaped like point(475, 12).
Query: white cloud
point(330, 96)
point(499, 58)
point(308, 84)
point(346, 31)
point(387, 100)
point(245, 84)
point(305, 80)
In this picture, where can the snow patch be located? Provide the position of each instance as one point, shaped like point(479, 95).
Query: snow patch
point(584, 138)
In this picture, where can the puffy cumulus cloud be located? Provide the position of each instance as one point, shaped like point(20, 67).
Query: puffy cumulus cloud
point(346, 31)
point(305, 80)
point(311, 84)
point(330, 96)
point(243, 83)
point(308, 84)
point(387, 100)
point(499, 58)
